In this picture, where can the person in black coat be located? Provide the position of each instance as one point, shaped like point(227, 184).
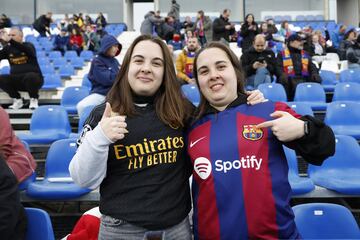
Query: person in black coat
point(222, 28)
point(249, 29)
point(13, 220)
point(42, 24)
point(258, 62)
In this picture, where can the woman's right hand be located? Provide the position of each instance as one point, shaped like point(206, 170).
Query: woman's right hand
point(114, 127)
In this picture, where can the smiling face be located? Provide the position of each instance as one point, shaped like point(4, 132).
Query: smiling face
point(217, 78)
point(146, 68)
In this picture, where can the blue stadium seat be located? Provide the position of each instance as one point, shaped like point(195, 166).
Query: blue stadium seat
point(350, 75)
point(66, 71)
point(310, 17)
point(72, 96)
point(347, 92)
point(328, 80)
point(5, 70)
point(340, 172)
point(86, 82)
point(31, 39)
point(300, 18)
point(301, 108)
point(312, 94)
point(70, 54)
point(47, 69)
point(319, 18)
point(40, 54)
point(77, 62)
point(39, 225)
point(325, 221)
point(54, 54)
point(51, 81)
point(299, 185)
point(57, 183)
point(84, 115)
point(58, 62)
point(44, 40)
point(43, 61)
point(192, 93)
point(24, 184)
point(87, 55)
point(48, 124)
point(344, 118)
point(273, 91)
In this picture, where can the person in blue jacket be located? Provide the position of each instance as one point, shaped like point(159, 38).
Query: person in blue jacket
point(103, 70)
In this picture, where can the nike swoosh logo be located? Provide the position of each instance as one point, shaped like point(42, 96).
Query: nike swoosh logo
point(195, 142)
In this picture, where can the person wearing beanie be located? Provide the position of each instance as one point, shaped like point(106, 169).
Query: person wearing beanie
point(103, 70)
point(294, 66)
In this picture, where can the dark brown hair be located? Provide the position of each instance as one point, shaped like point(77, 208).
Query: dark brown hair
point(170, 104)
point(234, 62)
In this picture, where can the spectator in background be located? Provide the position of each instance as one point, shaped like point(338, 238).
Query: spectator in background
point(88, 20)
point(295, 66)
point(174, 10)
point(317, 49)
point(267, 34)
point(167, 29)
point(176, 42)
point(91, 39)
point(17, 157)
point(13, 219)
point(149, 23)
point(259, 63)
point(42, 24)
point(271, 26)
point(203, 28)
point(185, 61)
point(25, 73)
point(249, 29)
point(187, 24)
point(103, 70)
point(285, 29)
point(100, 20)
point(337, 36)
point(349, 40)
point(76, 40)
point(62, 41)
point(5, 21)
point(353, 54)
point(80, 21)
point(222, 28)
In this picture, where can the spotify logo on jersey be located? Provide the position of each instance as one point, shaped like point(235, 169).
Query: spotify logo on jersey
point(202, 167)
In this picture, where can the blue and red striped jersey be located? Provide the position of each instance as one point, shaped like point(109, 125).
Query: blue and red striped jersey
point(240, 176)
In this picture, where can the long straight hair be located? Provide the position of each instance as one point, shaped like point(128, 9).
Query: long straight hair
point(170, 105)
point(234, 62)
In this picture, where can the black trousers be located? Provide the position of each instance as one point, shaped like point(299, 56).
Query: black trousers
point(30, 82)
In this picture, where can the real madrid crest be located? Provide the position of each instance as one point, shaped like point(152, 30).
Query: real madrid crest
point(250, 132)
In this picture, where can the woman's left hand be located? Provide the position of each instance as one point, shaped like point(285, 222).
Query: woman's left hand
point(285, 127)
point(255, 97)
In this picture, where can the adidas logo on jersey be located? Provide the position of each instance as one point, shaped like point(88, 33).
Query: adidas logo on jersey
point(202, 167)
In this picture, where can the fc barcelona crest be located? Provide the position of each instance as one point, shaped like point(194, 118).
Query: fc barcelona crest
point(250, 132)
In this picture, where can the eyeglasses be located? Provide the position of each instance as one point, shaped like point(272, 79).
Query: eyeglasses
point(12, 35)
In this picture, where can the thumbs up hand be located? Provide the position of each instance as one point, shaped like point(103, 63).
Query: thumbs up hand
point(285, 127)
point(113, 126)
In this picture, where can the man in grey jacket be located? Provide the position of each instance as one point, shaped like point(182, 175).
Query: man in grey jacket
point(174, 10)
point(147, 26)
